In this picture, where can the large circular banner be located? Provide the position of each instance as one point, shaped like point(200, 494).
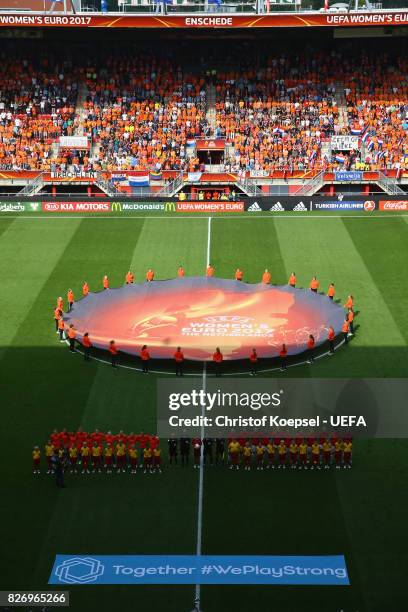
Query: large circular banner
point(200, 314)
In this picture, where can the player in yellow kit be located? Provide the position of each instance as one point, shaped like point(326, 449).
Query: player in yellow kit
point(293, 454)
point(108, 454)
point(36, 460)
point(338, 453)
point(120, 452)
point(234, 448)
point(96, 452)
point(282, 454)
point(157, 459)
point(315, 455)
point(347, 451)
point(73, 458)
point(326, 446)
point(270, 449)
point(49, 451)
point(147, 460)
point(303, 455)
point(260, 451)
point(85, 453)
point(133, 459)
point(247, 456)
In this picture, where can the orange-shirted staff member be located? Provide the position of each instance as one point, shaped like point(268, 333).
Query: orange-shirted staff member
point(85, 289)
point(179, 359)
point(57, 315)
point(283, 353)
point(210, 270)
point(310, 349)
point(145, 357)
point(331, 292)
point(350, 319)
point(253, 360)
point(60, 303)
point(113, 349)
point(129, 278)
point(218, 359)
point(345, 330)
point(314, 284)
point(149, 275)
point(330, 337)
point(181, 272)
point(71, 338)
point(349, 302)
point(239, 275)
point(292, 280)
point(105, 282)
point(86, 343)
point(61, 328)
point(266, 277)
point(70, 299)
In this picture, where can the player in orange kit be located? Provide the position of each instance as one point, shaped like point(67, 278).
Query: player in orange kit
point(266, 277)
point(253, 360)
point(292, 280)
point(105, 282)
point(331, 292)
point(85, 289)
point(181, 272)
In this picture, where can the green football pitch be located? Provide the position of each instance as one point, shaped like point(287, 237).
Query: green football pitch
point(361, 513)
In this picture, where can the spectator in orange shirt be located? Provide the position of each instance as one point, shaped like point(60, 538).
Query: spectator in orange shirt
point(253, 360)
point(70, 299)
point(314, 284)
point(71, 338)
point(283, 354)
point(145, 357)
point(210, 270)
point(149, 275)
point(310, 349)
point(217, 359)
point(86, 343)
point(179, 359)
point(113, 350)
point(239, 274)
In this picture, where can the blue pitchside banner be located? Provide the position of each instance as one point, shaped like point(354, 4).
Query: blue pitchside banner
point(190, 569)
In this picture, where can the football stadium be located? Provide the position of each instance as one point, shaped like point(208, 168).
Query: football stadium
point(204, 298)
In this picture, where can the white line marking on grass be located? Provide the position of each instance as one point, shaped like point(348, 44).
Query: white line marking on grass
point(197, 598)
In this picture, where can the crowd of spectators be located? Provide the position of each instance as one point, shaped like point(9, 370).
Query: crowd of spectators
point(143, 112)
point(38, 100)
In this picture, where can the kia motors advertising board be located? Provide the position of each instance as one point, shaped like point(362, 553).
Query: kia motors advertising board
point(76, 207)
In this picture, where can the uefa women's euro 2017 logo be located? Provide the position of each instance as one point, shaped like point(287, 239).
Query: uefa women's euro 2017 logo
point(200, 314)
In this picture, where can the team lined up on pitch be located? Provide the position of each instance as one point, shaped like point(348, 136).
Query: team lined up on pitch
point(69, 332)
point(97, 451)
